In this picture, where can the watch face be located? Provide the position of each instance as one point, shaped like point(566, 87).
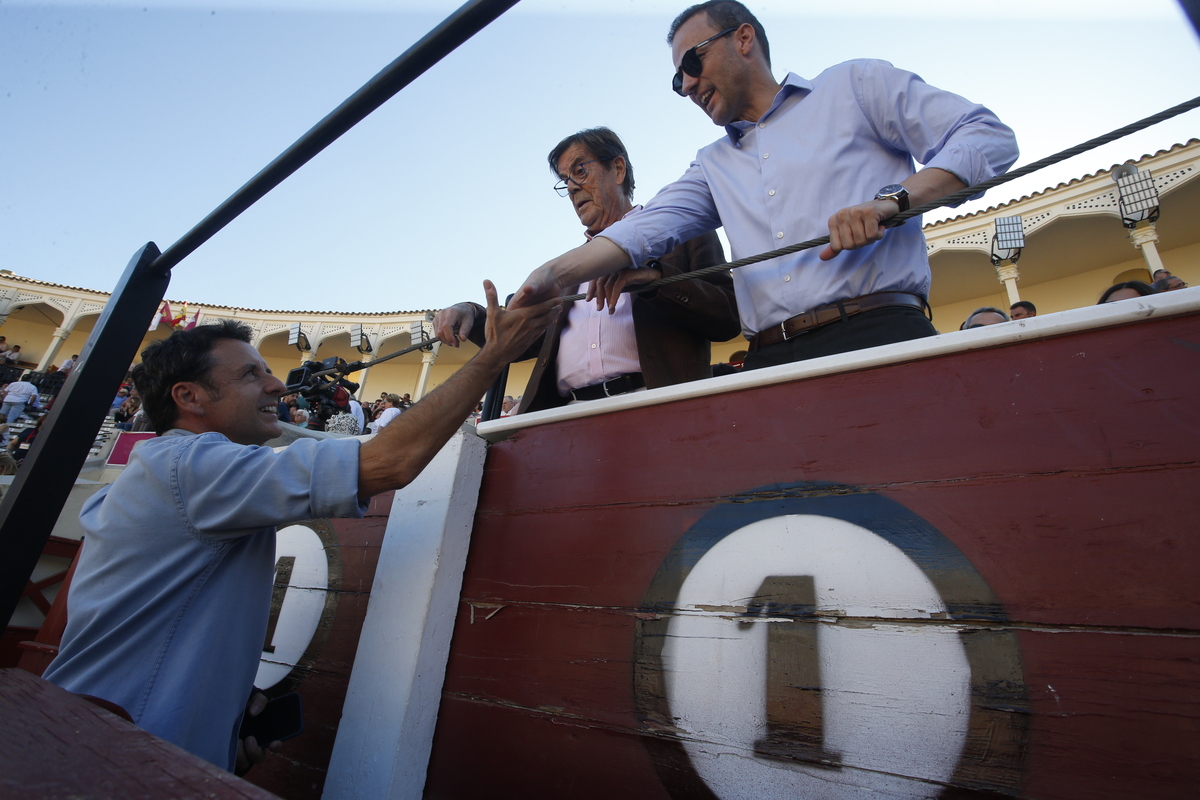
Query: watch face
point(895, 188)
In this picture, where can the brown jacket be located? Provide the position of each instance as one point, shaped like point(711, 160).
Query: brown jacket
point(674, 327)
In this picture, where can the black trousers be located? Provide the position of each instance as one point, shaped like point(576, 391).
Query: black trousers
point(868, 329)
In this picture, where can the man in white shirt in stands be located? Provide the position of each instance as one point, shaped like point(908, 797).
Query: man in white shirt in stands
point(20, 395)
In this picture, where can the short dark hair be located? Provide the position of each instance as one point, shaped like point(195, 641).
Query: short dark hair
point(182, 356)
point(984, 310)
point(1138, 286)
point(723, 14)
point(1161, 269)
point(1025, 304)
point(604, 145)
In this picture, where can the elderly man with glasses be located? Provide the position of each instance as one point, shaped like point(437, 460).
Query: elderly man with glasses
point(644, 340)
point(799, 157)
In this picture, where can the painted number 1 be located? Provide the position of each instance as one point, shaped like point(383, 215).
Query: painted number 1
point(795, 713)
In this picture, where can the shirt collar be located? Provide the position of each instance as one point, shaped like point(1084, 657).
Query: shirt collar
point(792, 84)
point(638, 207)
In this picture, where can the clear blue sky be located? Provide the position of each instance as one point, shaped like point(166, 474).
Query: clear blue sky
point(125, 122)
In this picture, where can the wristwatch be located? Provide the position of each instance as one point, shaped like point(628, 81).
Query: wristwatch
point(896, 193)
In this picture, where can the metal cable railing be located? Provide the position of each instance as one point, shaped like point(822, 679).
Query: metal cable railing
point(948, 200)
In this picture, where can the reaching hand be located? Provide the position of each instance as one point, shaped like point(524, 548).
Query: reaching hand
point(541, 285)
point(249, 753)
point(453, 325)
point(858, 226)
point(606, 290)
point(509, 332)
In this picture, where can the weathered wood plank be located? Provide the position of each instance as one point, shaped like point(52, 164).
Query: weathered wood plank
point(54, 745)
point(972, 529)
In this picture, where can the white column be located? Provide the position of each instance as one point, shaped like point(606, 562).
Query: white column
point(1146, 239)
point(56, 339)
point(1009, 275)
point(386, 732)
point(428, 358)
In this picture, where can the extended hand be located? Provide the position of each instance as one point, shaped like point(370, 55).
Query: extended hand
point(541, 285)
point(858, 226)
point(606, 290)
point(249, 753)
point(452, 325)
point(510, 332)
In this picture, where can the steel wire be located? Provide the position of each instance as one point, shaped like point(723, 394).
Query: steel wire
point(950, 199)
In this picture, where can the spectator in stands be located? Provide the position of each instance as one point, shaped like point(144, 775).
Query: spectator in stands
point(8, 464)
point(1126, 290)
point(19, 396)
point(1159, 274)
point(299, 417)
point(406, 400)
point(1022, 309)
point(69, 365)
point(4, 345)
point(356, 410)
point(118, 401)
point(507, 408)
point(983, 316)
point(124, 414)
point(391, 410)
point(1171, 283)
point(343, 422)
point(18, 446)
point(13, 355)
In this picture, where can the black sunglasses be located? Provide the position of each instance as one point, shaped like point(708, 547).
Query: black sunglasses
point(691, 64)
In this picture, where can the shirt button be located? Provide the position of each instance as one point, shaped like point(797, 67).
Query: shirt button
point(772, 193)
point(762, 124)
point(766, 155)
point(593, 347)
point(779, 235)
point(787, 278)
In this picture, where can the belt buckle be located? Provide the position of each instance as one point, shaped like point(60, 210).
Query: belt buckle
point(783, 331)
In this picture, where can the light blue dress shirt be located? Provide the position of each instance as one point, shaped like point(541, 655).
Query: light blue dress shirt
point(822, 146)
point(168, 609)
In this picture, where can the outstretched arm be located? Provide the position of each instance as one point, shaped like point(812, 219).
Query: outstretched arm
point(553, 279)
point(401, 450)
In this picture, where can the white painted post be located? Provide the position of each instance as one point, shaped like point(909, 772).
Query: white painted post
point(428, 358)
point(56, 339)
point(386, 732)
point(1146, 240)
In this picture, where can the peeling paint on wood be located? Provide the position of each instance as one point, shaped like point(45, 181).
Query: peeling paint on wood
point(1067, 594)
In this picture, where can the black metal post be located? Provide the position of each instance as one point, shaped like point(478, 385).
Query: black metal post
point(27, 516)
point(457, 28)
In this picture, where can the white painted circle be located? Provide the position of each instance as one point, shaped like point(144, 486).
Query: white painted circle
point(302, 604)
point(896, 695)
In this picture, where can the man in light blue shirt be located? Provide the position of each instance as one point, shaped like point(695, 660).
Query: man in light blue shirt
point(171, 596)
point(797, 158)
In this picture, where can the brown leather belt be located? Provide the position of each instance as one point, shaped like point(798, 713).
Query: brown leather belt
point(832, 312)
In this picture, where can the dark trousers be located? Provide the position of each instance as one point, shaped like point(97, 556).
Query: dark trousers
point(868, 329)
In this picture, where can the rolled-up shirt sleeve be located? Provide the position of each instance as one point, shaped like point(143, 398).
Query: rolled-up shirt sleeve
point(938, 128)
point(223, 489)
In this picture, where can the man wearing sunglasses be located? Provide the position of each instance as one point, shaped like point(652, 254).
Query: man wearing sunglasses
point(797, 159)
point(651, 340)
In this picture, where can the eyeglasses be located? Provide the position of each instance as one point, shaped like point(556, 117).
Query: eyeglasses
point(578, 176)
point(691, 64)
